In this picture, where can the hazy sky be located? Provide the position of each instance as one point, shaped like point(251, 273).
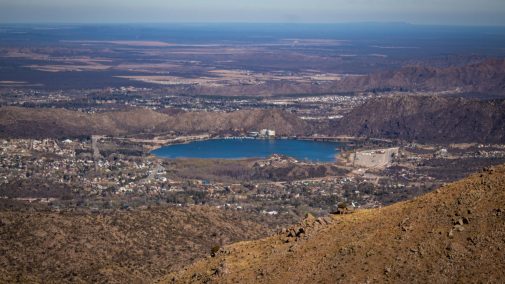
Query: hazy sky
point(466, 12)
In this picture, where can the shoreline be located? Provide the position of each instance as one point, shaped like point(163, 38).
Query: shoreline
point(336, 149)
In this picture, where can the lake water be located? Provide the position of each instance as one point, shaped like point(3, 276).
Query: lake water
point(252, 148)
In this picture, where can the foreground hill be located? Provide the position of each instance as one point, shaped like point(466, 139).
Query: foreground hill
point(122, 246)
point(36, 123)
point(455, 234)
point(426, 119)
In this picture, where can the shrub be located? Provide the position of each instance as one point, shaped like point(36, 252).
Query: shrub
point(342, 205)
point(214, 250)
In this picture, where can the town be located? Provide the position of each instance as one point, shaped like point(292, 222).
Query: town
point(105, 173)
point(306, 107)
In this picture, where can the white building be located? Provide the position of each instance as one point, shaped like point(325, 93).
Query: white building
point(267, 133)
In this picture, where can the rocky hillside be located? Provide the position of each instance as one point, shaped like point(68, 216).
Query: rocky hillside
point(119, 247)
point(412, 118)
point(483, 77)
point(453, 235)
point(426, 119)
point(28, 122)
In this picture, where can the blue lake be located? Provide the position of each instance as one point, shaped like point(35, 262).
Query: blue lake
point(252, 148)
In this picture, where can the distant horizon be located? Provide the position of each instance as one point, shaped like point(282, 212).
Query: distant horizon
point(363, 23)
point(425, 12)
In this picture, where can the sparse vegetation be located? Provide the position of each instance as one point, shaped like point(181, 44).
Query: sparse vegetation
point(453, 234)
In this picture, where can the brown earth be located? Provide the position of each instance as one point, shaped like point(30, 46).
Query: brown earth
point(426, 119)
point(453, 235)
point(120, 247)
point(36, 123)
point(486, 77)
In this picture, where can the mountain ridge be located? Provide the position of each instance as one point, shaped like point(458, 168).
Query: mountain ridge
point(487, 76)
point(425, 119)
point(17, 122)
point(420, 118)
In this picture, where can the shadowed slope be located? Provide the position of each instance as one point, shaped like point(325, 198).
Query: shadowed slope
point(426, 119)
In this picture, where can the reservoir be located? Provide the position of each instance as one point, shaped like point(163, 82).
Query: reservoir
point(302, 150)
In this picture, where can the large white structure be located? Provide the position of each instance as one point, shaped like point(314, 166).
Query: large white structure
point(267, 133)
point(379, 158)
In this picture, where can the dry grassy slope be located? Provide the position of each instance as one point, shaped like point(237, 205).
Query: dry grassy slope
point(29, 122)
point(121, 247)
point(453, 235)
